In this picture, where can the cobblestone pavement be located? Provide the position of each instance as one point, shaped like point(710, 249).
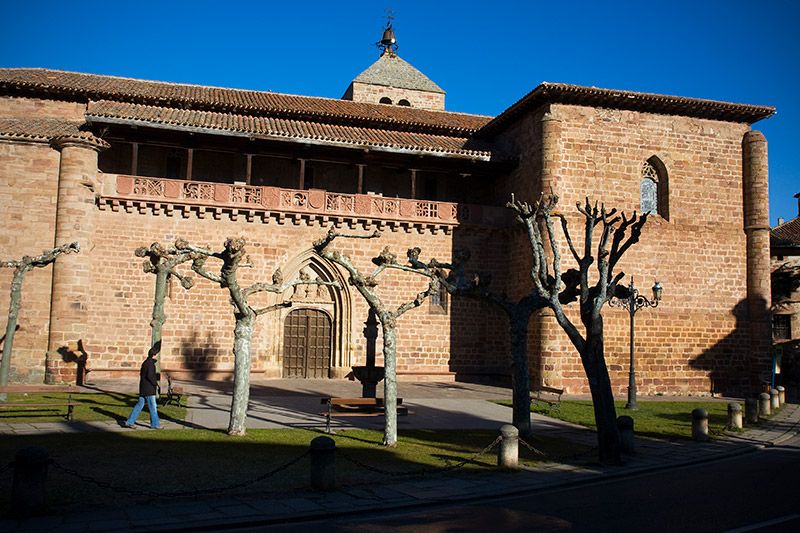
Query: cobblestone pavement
point(293, 403)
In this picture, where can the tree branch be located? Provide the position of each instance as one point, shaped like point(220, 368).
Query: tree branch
point(271, 308)
point(45, 258)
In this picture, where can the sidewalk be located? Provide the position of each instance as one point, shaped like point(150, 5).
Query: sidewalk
point(454, 405)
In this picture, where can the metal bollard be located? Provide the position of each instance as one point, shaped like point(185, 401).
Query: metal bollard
point(735, 415)
point(774, 402)
point(763, 405)
point(700, 425)
point(781, 394)
point(323, 463)
point(508, 451)
point(751, 410)
point(626, 434)
point(28, 494)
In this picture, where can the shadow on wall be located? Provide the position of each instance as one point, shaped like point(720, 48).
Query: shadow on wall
point(76, 353)
point(197, 356)
point(731, 368)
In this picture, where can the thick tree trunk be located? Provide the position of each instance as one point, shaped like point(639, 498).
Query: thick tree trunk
point(11, 328)
point(159, 316)
point(521, 381)
point(390, 382)
point(243, 334)
point(605, 413)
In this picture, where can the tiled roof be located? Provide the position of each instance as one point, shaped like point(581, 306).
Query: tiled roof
point(392, 71)
point(647, 102)
point(787, 234)
point(86, 87)
point(281, 128)
point(37, 129)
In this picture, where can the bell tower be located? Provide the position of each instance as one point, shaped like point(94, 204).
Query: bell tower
point(393, 81)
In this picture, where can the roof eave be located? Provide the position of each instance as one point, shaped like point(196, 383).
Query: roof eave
point(547, 93)
point(97, 119)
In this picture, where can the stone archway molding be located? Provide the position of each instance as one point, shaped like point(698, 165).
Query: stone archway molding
point(340, 308)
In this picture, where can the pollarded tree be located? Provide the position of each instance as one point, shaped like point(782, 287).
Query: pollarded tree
point(161, 261)
point(366, 285)
point(559, 289)
point(459, 283)
point(22, 267)
point(234, 256)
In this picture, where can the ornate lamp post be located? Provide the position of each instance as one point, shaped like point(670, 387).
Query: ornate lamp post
point(633, 302)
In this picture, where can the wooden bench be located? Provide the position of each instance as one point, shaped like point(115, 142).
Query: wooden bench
point(356, 407)
point(67, 402)
point(174, 393)
point(548, 395)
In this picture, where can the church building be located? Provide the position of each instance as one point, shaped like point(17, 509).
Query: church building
point(118, 163)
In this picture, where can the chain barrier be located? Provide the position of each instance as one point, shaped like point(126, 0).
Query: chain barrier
point(179, 493)
point(531, 448)
point(421, 471)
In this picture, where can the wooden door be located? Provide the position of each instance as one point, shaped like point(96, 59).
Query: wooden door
point(306, 344)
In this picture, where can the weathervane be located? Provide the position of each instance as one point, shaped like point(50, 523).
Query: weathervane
point(388, 42)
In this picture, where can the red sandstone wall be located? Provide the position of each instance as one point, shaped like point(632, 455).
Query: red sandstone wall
point(28, 187)
point(695, 336)
point(198, 332)
point(34, 107)
point(372, 94)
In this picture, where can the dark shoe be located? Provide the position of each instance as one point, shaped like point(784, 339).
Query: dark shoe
point(125, 424)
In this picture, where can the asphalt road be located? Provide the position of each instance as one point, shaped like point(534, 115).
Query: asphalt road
point(759, 491)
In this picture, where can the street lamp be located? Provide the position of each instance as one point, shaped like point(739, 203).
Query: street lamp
point(634, 301)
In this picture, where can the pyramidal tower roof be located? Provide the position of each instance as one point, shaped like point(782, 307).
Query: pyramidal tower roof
point(392, 80)
point(390, 70)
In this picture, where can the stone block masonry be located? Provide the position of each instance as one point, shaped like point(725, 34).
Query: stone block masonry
point(698, 340)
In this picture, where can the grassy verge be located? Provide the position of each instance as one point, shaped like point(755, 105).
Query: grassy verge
point(660, 419)
point(91, 407)
point(176, 460)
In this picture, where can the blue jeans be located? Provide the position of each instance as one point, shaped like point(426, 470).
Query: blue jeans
point(151, 407)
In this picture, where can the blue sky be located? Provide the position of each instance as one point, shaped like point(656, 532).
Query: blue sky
point(486, 55)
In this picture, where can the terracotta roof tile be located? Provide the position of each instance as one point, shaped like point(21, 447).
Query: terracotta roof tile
point(95, 87)
point(37, 129)
point(614, 99)
point(787, 234)
point(281, 128)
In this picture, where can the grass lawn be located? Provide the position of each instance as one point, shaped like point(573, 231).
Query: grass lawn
point(661, 419)
point(176, 460)
point(92, 407)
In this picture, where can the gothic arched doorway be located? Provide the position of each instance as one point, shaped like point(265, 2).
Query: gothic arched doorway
point(306, 344)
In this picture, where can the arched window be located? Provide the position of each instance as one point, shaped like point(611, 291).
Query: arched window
point(386, 100)
point(654, 188)
point(404, 102)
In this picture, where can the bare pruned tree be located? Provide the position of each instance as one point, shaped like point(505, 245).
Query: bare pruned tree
point(234, 256)
point(459, 283)
point(161, 261)
point(22, 267)
point(618, 233)
point(367, 287)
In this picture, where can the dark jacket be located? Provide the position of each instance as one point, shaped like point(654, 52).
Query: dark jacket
point(148, 381)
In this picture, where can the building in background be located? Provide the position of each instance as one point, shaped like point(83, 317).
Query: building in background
point(785, 251)
point(118, 163)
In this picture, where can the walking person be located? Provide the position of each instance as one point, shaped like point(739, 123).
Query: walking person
point(148, 384)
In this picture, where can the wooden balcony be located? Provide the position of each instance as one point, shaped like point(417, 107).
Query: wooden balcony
point(217, 199)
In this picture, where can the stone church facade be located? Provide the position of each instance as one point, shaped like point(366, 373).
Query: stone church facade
point(117, 163)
